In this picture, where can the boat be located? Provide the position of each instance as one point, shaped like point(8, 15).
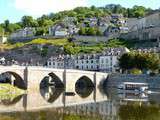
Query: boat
point(133, 87)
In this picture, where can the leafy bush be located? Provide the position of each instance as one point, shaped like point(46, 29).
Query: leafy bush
point(135, 71)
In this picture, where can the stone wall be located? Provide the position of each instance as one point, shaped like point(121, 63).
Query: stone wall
point(116, 79)
point(143, 34)
point(27, 39)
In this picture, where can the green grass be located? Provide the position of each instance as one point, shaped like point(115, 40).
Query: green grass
point(8, 91)
point(72, 48)
point(55, 42)
point(120, 43)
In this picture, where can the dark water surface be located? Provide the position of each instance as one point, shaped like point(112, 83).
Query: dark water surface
point(85, 104)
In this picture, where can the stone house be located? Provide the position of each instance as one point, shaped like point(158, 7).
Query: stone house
point(87, 62)
point(108, 60)
point(63, 30)
point(26, 32)
point(61, 62)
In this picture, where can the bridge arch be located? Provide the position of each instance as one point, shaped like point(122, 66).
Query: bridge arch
point(84, 86)
point(14, 79)
point(51, 87)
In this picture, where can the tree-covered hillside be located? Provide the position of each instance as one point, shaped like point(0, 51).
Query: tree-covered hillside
point(41, 24)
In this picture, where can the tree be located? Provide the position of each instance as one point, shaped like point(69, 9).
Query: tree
point(27, 21)
point(91, 31)
point(141, 61)
point(1, 30)
point(40, 31)
point(139, 11)
point(126, 61)
point(6, 25)
point(82, 31)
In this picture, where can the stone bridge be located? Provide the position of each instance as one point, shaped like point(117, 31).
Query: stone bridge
point(33, 79)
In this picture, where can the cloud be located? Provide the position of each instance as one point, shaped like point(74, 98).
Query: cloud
point(39, 7)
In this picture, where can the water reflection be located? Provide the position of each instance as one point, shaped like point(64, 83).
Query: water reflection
point(119, 106)
point(84, 87)
point(51, 88)
point(135, 111)
point(13, 79)
point(10, 101)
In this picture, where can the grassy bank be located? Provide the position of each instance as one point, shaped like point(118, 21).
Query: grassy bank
point(8, 91)
point(71, 47)
point(56, 42)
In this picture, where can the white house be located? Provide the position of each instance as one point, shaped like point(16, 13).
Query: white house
point(56, 62)
point(26, 32)
point(3, 39)
point(105, 62)
point(61, 62)
point(108, 61)
point(61, 32)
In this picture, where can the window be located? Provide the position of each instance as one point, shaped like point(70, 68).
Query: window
point(82, 61)
point(97, 61)
point(49, 63)
point(91, 67)
point(91, 61)
point(87, 61)
point(106, 60)
point(87, 66)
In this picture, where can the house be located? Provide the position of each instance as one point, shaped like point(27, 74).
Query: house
point(26, 32)
point(105, 62)
point(87, 62)
point(61, 32)
point(108, 60)
point(90, 22)
point(3, 39)
point(72, 29)
point(119, 20)
point(61, 62)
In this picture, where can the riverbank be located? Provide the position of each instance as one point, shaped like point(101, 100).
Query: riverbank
point(8, 91)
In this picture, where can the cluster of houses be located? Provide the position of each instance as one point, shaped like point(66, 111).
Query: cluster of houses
point(105, 62)
point(26, 32)
point(115, 23)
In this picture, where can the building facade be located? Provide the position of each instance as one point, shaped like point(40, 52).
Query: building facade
point(61, 62)
point(26, 32)
point(104, 62)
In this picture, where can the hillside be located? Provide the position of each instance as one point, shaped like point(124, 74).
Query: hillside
point(41, 24)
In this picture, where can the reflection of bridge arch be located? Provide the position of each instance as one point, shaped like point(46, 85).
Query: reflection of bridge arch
point(51, 87)
point(9, 102)
point(55, 79)
point(15, 79)
point(84, 86)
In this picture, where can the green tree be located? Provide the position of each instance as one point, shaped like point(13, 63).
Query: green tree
point(91, 31)
point(140, 61)
point(1, 30)
point(27, 21)
point(82, 31)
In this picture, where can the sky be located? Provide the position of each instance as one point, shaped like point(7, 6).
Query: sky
point(15, 9)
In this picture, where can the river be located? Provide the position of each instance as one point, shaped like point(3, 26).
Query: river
point(86, 104)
